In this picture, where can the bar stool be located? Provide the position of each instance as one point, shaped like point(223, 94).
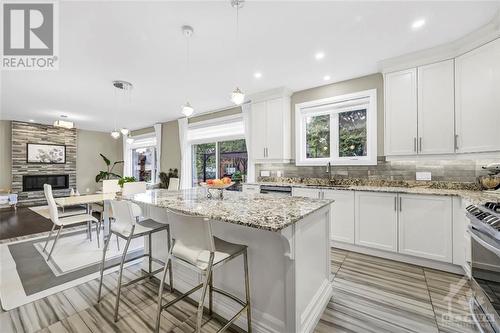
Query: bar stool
point(195, 245)
point(128, 226)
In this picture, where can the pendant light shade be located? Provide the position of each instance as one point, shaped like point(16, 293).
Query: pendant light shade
point(237, 97)
point(125, 131)
point(187, 109)
point(115, 134)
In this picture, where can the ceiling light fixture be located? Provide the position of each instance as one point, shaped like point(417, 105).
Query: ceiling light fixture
point(257, 75)
point(417, 24)
point(326, 77)
point(124, 88)
point(64, 124)
point(130, 140)
point(237, 96)
point(187, 109)
point(319, 55)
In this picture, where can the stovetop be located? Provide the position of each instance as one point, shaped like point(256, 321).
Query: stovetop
point(486, 218)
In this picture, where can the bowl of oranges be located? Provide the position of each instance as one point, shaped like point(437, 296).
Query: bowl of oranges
point(218, 185)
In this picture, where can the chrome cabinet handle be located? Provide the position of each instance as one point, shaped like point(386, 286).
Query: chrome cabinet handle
point(456, 141)
point(400, 204)
point(420, 144)
point(395, 204)
point(415, 144)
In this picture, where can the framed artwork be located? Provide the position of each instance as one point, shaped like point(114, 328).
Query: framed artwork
point(45, 153)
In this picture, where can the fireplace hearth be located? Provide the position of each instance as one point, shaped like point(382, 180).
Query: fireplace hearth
point(35, 182)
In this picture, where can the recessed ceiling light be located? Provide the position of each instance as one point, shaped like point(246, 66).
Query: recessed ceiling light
point(417, 24)
point(319, 55)
point(326, 77)
point(257, 75)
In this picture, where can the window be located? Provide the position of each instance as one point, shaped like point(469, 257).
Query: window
point(218, 148)
point(339, 130)
point(218, 159)
point(143, 158)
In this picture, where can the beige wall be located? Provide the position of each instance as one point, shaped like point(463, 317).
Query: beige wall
point(88, 160)
point(212, 115)
point(5, 154)
point(374, 81)
point(142, 131)
point(170, 146)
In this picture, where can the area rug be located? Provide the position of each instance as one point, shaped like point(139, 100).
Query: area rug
point(44, 211)
point(26, 276)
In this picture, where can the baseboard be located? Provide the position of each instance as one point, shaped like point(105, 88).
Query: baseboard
point(311, 315)
point(442, 266)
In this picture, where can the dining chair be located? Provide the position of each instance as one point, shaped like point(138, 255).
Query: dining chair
point(134, 188)
point(173, 184)
point(195, 245)
point(108, 186)
point(129, 226)
point(61, 222)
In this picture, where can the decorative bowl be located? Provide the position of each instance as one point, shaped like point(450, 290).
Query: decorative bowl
point(489, 182)
point(218, 189)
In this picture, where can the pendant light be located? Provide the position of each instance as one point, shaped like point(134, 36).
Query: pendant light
point(237, 96)
point(130, 140)
point(124, 88)
point(187, 109)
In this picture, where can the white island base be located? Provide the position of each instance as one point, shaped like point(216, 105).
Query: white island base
point(290, 277)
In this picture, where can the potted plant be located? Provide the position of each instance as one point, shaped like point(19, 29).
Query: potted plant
point(165, 178)
point(108, 174)
point(124, 180)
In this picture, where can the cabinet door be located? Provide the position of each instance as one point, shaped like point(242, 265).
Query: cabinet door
point(259, 129)
point(478, 99)
point(436, 108)
point(425, 226)
point(376, 220)
point(342, 215)
point(305, 192)
point(274, 133)
point(401, 112)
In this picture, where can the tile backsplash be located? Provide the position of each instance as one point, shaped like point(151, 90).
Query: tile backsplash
point(441, 170)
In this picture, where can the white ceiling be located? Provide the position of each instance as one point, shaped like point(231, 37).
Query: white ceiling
point(141, 42)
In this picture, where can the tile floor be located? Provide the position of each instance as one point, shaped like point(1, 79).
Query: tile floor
point(370, 295)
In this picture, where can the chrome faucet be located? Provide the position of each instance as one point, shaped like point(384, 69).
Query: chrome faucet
point(329, 170)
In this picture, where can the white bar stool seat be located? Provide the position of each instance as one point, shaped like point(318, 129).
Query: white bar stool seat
point(195, 245)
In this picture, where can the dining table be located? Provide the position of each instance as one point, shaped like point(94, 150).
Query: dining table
point(87, 200)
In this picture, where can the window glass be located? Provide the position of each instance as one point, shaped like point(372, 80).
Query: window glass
point(204, 162)
point(233, 158)
point(318, 136)
point(352, 133)
point(143, 164)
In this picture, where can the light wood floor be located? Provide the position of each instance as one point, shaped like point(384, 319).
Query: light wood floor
point(370, 295)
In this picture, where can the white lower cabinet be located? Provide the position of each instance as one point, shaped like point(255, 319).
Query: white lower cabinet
point(342, 215)
point(425, 226)
point(306, 192)
point(376, 220)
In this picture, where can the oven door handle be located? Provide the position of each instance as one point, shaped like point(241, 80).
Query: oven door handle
point(485, 244)
point(473, 304)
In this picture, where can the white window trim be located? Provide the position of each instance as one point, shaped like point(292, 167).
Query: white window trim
point(135, 145)
point(315, 107)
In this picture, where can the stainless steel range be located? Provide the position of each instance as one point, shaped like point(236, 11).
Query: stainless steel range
point(485, 265)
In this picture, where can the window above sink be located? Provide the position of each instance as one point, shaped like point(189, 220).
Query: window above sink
point(341, 130)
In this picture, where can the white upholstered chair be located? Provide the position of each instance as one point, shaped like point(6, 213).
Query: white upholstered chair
point(173, 184)
point(62, 222)
point(195, 245)
point(128, 226)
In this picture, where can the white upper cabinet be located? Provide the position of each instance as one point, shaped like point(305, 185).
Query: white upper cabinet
point(436, 108)
point(478, 99)
point(401, 112)
point(270, 130)
point(425, 226)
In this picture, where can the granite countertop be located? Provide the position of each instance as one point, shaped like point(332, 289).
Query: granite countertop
point(467, 191)
point(259, 211)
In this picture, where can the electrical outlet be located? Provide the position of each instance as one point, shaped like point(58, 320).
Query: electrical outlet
point(265, 173)
point(423, 176)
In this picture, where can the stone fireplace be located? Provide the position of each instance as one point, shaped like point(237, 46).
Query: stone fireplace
point(28, 178)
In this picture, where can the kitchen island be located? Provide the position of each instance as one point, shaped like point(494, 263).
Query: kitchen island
point(288, 248)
